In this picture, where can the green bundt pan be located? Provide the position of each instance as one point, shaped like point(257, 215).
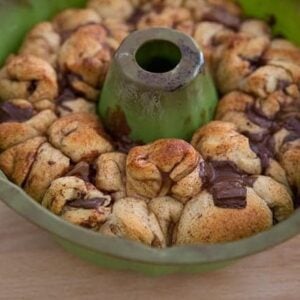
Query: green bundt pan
point(16, 18)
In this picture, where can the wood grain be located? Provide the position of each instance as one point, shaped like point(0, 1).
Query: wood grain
point(33, 266)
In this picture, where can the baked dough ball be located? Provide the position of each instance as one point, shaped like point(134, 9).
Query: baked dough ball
point(271, 125)
point(132, 219)
point(117, 31)
point(203, 222)
point(168, 212)
point(111, 174)
point(165, 167)
point(84, 58)
point(149, 5)
point(257, 65)
point(212, 38)
point(241, 109)
point(69, 20)
point(276, 195)
point(221, 141)
point(219, 11)
point(77, 202)
point(255, 28)
point(112, 9)
point(43, 42)
point(241, 59)
point(49, 164)
point(16, 162)
point(176, 18)
point(28, 77)
point(289, 158)
point(20, 122)
point(80, 136)
point(66, 106)
point(286, 55)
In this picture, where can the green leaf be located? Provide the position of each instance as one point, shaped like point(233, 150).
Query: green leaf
point(285, 13)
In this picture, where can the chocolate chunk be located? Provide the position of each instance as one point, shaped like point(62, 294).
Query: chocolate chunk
point(229, 194)
point(226, 183)
point(13, 113)
point(221, 15)
point(93, 203)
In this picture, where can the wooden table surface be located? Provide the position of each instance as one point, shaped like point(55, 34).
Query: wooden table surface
point(33, 266)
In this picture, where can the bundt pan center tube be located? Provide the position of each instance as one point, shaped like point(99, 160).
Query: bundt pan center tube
point(157, 87)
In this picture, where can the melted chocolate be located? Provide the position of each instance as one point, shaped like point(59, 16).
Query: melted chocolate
point(226, 183)
point(12, 113)
point(256, 116)
point(221, 15)
point(263, 144)
point(93, 203)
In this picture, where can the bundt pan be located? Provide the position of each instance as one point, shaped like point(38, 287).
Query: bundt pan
point(16, 18)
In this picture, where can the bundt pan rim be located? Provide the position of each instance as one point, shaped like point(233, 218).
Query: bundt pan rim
point(138, 256)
